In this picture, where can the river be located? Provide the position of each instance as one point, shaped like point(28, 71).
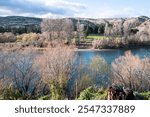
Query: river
point(110, 54)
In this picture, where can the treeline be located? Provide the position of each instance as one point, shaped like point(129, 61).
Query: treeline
point(13, 25)
point(20, 29)
point(61, 30)
point(118, 33)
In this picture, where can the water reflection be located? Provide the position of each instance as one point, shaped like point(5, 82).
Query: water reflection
point(111, 55)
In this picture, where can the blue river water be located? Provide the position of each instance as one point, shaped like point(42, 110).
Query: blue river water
point(111, 54)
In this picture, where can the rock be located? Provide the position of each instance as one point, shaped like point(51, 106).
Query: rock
point(119, 93)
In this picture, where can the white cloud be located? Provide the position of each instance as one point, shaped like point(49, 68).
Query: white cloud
point(108, 12)
point(41, 8)
point(4, 11)
point(61, 4)
point(64, 8)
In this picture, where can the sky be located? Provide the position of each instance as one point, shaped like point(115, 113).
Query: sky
point(75, 8)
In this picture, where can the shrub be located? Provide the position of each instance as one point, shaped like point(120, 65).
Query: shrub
point(131, 71)
point(19, 70)
point(142, 95)
point(101, 94)
point(57, 92)
point(56, 69)
point(81, 84)
point(10, 93)
point(109, 42)
point(87, 94)
point(94, 73)
point(146, 95)
point(28, 37)
point(93, 93)
point(74, 41)
point(7, 37)
point(99, 70)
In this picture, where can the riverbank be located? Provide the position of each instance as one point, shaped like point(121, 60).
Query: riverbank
point(81, 50)
point(19, 45)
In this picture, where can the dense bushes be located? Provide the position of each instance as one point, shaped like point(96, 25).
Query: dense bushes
point(23, 40)
point(7, 37)
point(108, 42)
point(132, 32)
point(121, 42)
point(92, 93)
point(28, 37)
point(56, 69)
point(19, 75)
point(9, 92)
point(131, 71)
point(145, 95)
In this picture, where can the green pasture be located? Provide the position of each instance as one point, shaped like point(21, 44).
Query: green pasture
point(95, 37)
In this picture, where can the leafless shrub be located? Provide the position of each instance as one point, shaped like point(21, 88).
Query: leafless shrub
point(107, 43)
point(20, 68)
point(56, 67)
point(7, 37)
point(131, 71)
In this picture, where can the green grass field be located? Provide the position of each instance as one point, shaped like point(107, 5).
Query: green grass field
point(95, 37)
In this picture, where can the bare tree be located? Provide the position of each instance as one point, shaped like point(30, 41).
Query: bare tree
point(68, 29)
point(114, 28)
point(80, 31)
point(47, 28)
point(59, 29)
point(109, 29)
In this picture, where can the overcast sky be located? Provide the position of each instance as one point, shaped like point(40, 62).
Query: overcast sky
point(75, 8)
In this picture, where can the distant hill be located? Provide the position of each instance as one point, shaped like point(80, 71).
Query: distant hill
point(19, 21)
point(19, 24)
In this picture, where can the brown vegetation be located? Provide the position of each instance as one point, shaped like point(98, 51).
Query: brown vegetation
point(131, 71)
point(7, 37)
point(57, 29)
point(56, 67)
point(109, 42)
point(28, 37)
point(19, 68)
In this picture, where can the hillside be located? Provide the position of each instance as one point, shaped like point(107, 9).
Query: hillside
point(109, 26)
point(18, 24)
